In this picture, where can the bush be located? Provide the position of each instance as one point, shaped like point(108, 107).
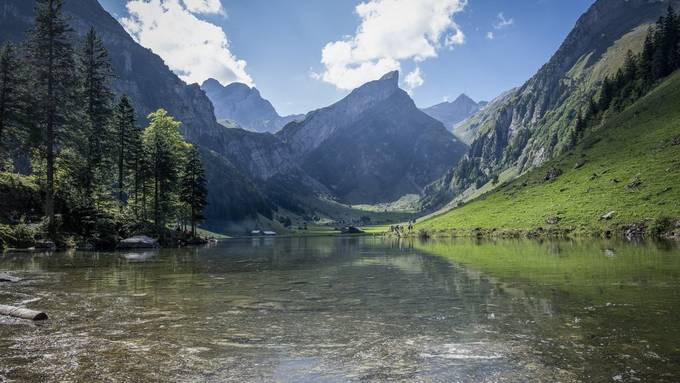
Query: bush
point(660, 227)
point(19, 196)
point(20, 236)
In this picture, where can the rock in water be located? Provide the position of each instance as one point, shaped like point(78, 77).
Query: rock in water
point(138, 242)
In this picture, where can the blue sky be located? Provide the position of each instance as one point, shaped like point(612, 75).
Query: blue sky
point(278, 45)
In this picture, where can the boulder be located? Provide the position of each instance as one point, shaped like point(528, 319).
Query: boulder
point(553, 220)
point(552, 174)
point(351, 230)
point(579, 163)
point(676, 140)
point(138, 242)
point(635, 231)
point(608, 216)
point(634, 182)
point(45, 245)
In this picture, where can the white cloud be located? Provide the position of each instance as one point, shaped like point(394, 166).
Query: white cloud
point(390, 31)
point(193, 48)
point(490, 35)
point(413, 80)
point(204, 6)
point(502, 22)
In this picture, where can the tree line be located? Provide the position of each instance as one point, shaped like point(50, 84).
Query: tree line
point(61, 122)
point(660, 56)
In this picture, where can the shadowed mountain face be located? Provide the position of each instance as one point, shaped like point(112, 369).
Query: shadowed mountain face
point(150, 84)
point(453, 113)
point(529, 125)
point(374, 145)
point(241, 104)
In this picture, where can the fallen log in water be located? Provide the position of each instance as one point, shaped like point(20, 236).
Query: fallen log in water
point(8, 278)
point(19, 312)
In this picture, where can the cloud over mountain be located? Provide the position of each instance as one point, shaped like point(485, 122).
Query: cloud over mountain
point(391, 31)
point(193, 48)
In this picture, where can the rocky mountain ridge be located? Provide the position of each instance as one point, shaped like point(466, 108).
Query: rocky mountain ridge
point(245, 106)
point(452, 113)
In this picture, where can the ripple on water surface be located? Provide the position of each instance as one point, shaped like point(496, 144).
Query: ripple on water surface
point(343, 310)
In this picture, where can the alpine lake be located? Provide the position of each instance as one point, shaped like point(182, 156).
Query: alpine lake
point(348, 309)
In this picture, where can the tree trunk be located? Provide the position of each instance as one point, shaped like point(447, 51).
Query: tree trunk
point(121, 160)
point(49, 192)
point(22, 313)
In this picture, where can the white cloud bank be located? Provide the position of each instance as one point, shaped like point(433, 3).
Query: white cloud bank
point(391, 31)
point(204, 6)
point(193, 48)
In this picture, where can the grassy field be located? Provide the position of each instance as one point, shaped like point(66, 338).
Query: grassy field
point(630, 165)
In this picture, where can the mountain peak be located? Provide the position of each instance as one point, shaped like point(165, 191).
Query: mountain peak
point(391, 76)
point(464, 98)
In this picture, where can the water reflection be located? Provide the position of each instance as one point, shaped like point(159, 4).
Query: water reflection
point(347, 309)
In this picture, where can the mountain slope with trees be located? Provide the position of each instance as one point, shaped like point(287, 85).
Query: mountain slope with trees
point(533, 123)
point(60, 108)
point(149, 85)
point(619, 172)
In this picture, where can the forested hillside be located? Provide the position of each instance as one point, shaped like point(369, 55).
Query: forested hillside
point(619, 169)
point(92, 173)
point(532, 124)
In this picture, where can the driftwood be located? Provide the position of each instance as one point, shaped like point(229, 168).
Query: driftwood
point(8, 278)
point(19, 312)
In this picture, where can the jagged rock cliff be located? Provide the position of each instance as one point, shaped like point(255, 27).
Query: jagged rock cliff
point(245, 106)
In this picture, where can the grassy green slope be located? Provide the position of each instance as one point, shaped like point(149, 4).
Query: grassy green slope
point(636, 143)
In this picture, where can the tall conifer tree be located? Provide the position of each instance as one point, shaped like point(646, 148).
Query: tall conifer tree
point(53, 89)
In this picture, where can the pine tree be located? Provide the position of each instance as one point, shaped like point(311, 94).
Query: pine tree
point(124, 125)
point(606, 94)
point(193, 188)
point(50, 57)
point(670, 48)
point(646, 58)
point(163, 146)
point(12, 96)
point(95, 74)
